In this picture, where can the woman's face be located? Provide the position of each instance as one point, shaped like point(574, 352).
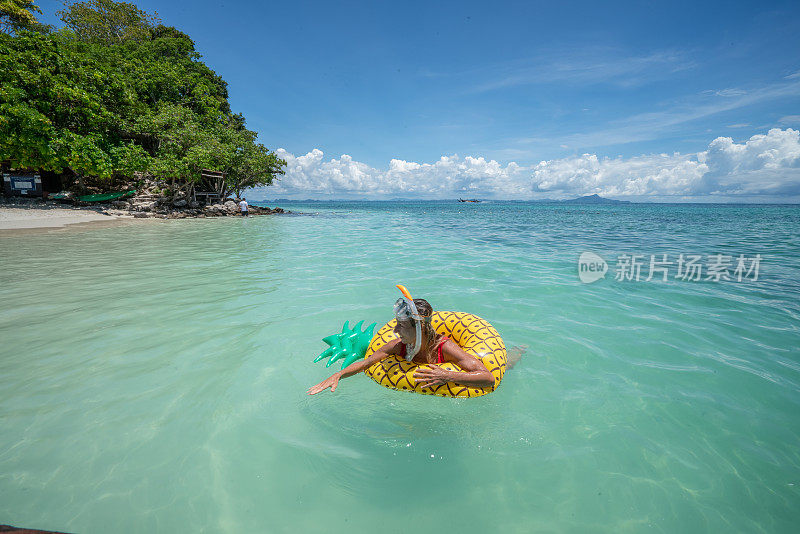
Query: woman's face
point(406, 331)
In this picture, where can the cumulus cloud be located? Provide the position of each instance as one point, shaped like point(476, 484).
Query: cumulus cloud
point(310, 175)
point(659, 174)
point(763, 166)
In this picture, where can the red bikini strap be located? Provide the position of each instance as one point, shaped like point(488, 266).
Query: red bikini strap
point(439, 355)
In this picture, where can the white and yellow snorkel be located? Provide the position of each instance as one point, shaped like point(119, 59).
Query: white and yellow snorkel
point(404, 310)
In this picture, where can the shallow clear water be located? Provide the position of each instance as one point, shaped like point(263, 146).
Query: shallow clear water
point(153, 375)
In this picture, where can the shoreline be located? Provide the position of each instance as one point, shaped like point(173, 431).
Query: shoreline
point(30, 215)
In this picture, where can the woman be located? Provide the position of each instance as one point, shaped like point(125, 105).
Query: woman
point(418, 342)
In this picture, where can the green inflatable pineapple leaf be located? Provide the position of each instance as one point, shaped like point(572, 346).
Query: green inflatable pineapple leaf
point(351, 344)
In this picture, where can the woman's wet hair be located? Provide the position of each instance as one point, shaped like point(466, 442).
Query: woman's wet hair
point(426, 310)
point(423, 307)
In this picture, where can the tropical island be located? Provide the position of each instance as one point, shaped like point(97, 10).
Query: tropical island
point(117, 107)
point(594, 199)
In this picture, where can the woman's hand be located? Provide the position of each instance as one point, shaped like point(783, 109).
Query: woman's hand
point(433, 376)
point(330, 382)
point(355, 367)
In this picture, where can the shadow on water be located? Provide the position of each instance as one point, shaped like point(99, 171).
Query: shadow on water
point(401, 436)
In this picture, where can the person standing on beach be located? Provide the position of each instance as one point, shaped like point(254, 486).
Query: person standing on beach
point(243, 207)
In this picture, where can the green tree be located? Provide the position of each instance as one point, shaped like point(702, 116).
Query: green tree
point(108, 22)
point(251, 164)
point(18, 15)
point(58, 110)
point(126, 159)
point(103, 98)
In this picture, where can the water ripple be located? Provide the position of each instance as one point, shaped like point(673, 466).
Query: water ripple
point(159, 371)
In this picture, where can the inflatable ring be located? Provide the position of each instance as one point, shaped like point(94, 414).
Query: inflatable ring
point(473, 334)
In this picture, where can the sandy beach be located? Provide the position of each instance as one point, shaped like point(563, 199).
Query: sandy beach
point(45, 216)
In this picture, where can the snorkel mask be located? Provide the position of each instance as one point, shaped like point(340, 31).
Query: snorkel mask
point(405, 310)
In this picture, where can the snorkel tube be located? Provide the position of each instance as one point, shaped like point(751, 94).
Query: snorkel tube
point(405, 310)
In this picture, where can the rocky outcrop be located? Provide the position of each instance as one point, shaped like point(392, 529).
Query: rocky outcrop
point(157, 200)
point(143, 205)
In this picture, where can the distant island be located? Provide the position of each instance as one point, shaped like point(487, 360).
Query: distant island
point(588, 199)
point(595, 199)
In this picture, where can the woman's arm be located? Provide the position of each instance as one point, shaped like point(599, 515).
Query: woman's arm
point(355, 367)
point(475, 373)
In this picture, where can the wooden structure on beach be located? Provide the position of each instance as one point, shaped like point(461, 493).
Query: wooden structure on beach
point(213, 183)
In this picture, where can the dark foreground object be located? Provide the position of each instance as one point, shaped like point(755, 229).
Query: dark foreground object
point(15, 530)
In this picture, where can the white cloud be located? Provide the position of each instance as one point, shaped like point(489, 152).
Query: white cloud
point(790, 119)
point(310, 175)
point(765, 165)
point(659, 174)
point(729, 92)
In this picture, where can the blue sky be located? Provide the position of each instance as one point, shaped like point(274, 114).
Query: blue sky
point(498, 88)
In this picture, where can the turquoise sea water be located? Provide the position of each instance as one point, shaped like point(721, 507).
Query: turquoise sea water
point(153, 375)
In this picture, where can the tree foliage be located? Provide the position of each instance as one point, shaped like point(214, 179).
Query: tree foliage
point(109, 22)
point(115, 93)
point(18, 15)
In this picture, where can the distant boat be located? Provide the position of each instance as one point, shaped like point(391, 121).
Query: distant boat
point(468, 200)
